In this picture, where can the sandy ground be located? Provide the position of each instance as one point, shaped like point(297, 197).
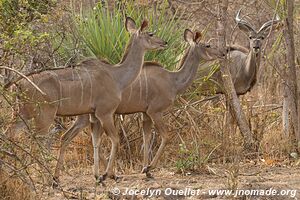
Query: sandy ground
point(277, 182)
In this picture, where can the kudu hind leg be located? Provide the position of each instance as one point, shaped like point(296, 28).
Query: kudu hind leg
point(14, 129)
point(21, 122)
point(42, 122)
point(147, 125)
point(162, 130)
point(80, 123)
point(97, 132)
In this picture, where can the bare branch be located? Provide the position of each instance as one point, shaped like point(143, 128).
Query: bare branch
point(19, 73)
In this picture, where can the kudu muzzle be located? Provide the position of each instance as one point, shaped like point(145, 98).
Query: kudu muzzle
point(256, 45)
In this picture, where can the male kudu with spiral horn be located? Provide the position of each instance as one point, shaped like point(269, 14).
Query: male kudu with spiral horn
point(244, 63)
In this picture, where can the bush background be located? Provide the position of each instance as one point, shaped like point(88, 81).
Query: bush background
point(37, 35)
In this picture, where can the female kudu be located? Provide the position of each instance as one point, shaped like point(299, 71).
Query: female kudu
point(92, 87)
point(153, 92)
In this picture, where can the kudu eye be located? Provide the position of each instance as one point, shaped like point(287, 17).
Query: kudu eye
point(250, 37)
point(207, 45)
point(150, 34)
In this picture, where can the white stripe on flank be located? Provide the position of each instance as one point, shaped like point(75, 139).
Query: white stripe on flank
point(81, 84)
point(141, 91)
point(146, 83)
point(91, 91)
point(60, 88)
point(129, 98)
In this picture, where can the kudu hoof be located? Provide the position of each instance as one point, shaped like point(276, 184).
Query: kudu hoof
point(149, 175)
point(101, 179)
point(55, 183)
point(146, 170)
point(104, 177)
point(115, 177)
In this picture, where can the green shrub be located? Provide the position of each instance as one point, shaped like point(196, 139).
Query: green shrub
point(102, 31)
point(191, 159)
point(187, 159)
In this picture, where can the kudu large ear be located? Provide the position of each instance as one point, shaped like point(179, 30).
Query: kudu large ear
point(130, 25)
point(189, 36)
point(243, 25)
point(198, 36)
point(144, 25)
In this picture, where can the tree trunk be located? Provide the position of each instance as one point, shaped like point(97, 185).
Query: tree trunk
point(231, 96)
point(285, 111)
point(291, 70)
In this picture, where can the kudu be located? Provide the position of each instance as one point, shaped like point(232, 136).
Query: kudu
point(244, 64)
point(152, 93)
point(90, 87)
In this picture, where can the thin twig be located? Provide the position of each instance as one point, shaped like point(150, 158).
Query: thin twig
point(19, 73)
point(32, 73)
point(190, 3)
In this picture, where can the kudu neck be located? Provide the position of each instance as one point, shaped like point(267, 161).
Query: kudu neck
point(252, 64)
point(187, 72)
point(131, 65)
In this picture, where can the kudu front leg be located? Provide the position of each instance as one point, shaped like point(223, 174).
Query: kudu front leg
point(162, 130)
point(111, 131)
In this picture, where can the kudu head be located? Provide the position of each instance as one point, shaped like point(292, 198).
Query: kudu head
point(147, 39)
point(255, 37)
point(203, 50)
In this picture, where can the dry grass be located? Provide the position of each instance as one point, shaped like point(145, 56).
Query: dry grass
point(12, 188)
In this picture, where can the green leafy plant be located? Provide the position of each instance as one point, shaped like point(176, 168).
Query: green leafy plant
point(102, 31)
point(188, 159)
point(18, 18)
